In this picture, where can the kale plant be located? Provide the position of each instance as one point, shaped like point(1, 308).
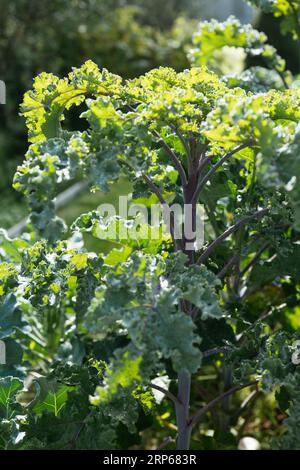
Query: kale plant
point(104, 347)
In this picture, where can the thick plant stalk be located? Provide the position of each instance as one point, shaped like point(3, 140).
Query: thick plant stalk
point(182, 411)
point(184, 377)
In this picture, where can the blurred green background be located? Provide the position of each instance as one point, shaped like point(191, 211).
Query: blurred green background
point(128, 37)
